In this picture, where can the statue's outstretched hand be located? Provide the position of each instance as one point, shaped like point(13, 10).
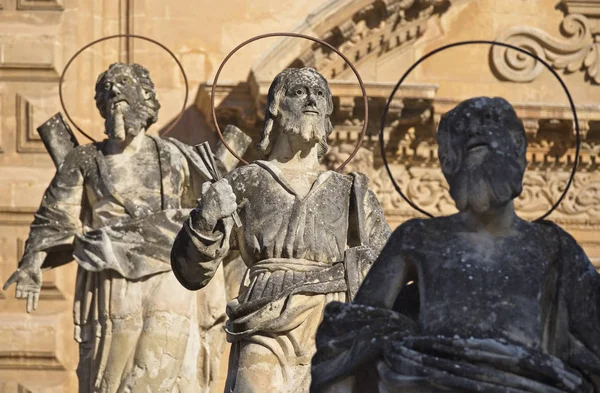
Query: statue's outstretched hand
point(29, 281)
point(218, 201)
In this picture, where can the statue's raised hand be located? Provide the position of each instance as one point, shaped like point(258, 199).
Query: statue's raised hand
point(29, 280)
point(218, 201)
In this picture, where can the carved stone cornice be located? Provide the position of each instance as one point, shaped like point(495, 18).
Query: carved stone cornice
point(589, 8)
point(411, 140)
point(427, 187)
point(577, 49)
point(410, 135)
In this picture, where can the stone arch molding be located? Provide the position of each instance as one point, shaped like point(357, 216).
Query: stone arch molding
point(360, 29)
point(576, 50)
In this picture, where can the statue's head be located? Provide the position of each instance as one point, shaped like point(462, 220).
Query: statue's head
point(482, 146)
point(126, 99)
point(299, 103)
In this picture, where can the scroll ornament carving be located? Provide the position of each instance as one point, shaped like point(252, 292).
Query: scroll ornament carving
point(426, 186)
point(542, 189)
point(577, 50)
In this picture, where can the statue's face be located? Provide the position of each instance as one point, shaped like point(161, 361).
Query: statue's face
point(482, 151)
point(122, 102)
point(303, 107)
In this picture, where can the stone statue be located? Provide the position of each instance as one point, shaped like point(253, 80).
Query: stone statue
point(479, 301)
point(307, 236)
point(116, 207)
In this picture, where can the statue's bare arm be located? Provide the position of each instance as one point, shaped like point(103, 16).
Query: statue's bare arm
point(56, 223)
point(387, 276)
point(583, 299)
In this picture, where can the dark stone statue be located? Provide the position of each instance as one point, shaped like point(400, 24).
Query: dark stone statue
point(307, 236)
point(479, 301)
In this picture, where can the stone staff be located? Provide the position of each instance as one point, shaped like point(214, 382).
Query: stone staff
point(58, 138)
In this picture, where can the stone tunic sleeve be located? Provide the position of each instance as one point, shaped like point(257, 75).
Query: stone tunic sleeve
point(195, 256)
point(58, 218)
point(377, 229)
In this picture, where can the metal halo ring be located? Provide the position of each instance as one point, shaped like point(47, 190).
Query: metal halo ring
point(295, 35)
point(62, 77)
point(462, 43)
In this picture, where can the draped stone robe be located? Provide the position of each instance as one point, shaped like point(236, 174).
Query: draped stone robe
point(415, 347)
point(301, 253)
point(126, 294)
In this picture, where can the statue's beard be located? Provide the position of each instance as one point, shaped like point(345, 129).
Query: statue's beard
point(122, 121)
point(310, 128)
point(492, 182)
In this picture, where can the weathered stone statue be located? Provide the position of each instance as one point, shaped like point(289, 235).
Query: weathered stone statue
point(115, 207)
point(307, 237)
point(496, 304)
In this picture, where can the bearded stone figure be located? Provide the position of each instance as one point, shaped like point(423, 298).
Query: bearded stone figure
point(307, 236)
point(479, 301)
point(116, 207)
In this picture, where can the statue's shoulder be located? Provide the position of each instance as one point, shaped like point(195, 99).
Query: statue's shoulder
point(89, 149)
point(174, 146)
point(414, 225)
point(421, 232)
point(549, 229)
point(411, 229)
point(352, 177)
point(434, 224)
point(245, 173)
point(342, 178)
point(170, 141)
point(570, 253)
point(82, 156)
point(177, 151)
point(358, 175)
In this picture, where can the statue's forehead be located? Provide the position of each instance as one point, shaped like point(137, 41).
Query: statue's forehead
point(306, 79)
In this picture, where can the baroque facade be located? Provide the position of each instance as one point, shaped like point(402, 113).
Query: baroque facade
point(382, 38)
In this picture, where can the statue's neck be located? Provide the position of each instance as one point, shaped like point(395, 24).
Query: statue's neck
point(496, 220)
point(130, 145)
point(292, 153)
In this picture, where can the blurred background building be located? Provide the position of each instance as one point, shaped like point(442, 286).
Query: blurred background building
point(382, 37)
